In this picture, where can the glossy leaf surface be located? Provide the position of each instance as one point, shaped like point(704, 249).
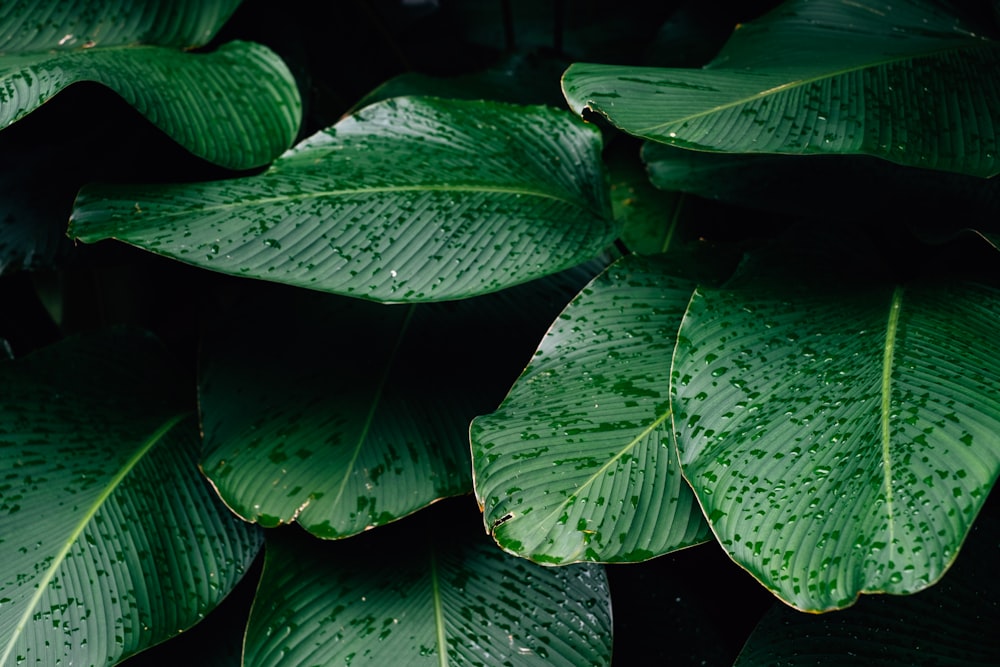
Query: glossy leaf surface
point(577, 463)
point(481, 196)
point(357, 413)
point(111, 539)
point(437, 596)
point(951, 623)
point(906, 81)
point(237, 106)
point(840, 441)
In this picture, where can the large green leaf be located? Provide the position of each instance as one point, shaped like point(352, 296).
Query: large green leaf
point(111, 539)
point(577, 462)
point(480, 196)
point(953, 623)
point(427, 595)
point(840, 441)
point(237, 106)
point(906, 81)
point(358, 413)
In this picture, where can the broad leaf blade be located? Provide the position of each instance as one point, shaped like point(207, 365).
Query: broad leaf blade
point(237, 106)
point(56, 25)
point(577, 462)
point(112, 541)
point(952, 623)
point(840, 442)
point(481, 196)
point(428, 597)
point(821, 77)
point(358, 413)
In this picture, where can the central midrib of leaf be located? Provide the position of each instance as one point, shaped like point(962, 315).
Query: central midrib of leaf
point(87, 516)
point(540, 525)
point(886, 409)
point(440, 635)
point(264, 201)
point(802, 82)
point(376, 399)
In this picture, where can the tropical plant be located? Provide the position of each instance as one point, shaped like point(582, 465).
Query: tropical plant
point(720, 307)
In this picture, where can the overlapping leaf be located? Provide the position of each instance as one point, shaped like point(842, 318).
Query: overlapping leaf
point(423, 597)
point(906, 81)
point(577, 463)
point(342, 414)
point(237, 106)
point(840, 441)
point(950, 624)
point(111, 539)
point(411, 199)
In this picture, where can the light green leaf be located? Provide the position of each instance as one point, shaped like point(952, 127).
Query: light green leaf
point(341, 414)
point(480, 196)
point(237, 106)
point(906, 81)
point(841, 441)
point(577, 463)
point(951, 623)
point(434, 596)
point(111, 539)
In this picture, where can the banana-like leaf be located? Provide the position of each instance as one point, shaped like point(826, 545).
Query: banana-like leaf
point(358, 413)
point(237, 106)
point(577, 462)
point(435, 596)
point(952, 623)
point(840, 441)
point(410, 199)
point(904, 81)
point(111, 539)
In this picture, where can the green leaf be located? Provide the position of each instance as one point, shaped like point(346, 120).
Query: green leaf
point(433, 596)
point(237, 106)
point(341, 414)
point(481, 196)
point(840, 440)
point(576, 463)
point(112, 541)
point(950, 624)
point(821, 76)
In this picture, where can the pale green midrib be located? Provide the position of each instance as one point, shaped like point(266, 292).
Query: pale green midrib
point(376, 399)
point(441, 636)
point(544, 523)
point(674, 222)
point(60, 557)
point(887, 360)
point(797, 83)
point(288, 199)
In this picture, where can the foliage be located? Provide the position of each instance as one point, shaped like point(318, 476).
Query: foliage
point(727, 292)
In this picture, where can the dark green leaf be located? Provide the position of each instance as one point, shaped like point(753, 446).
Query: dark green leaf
point(577, 463)
point(237, 106)
point(480, 196)
point(951, 624)
point(112, 541)
point(841, 440)
point(906, 82)
point(436, 596)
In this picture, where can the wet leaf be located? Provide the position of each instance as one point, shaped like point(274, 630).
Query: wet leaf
point(949, 624)
point(577, 462)
point(342, 414)
point(907, 82)
point(432, 596)
point(112, 541)
point(480, 196)
point(840, 441)
point(237, 106)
